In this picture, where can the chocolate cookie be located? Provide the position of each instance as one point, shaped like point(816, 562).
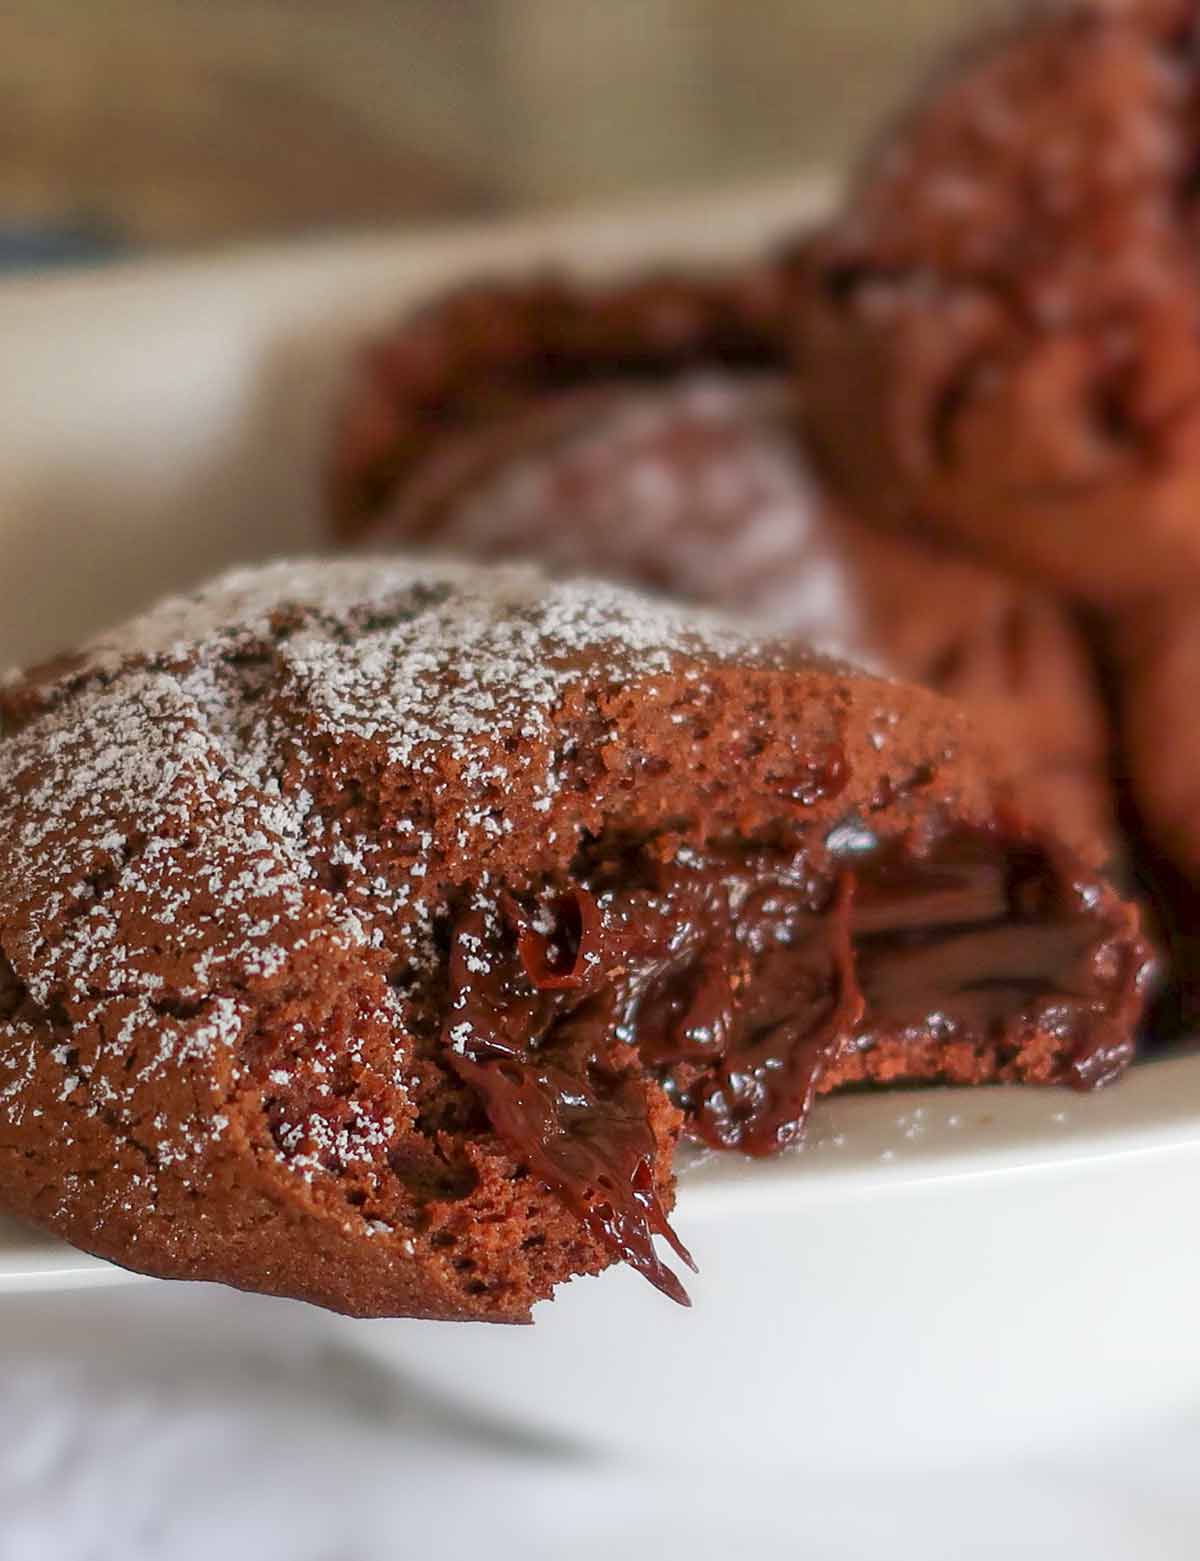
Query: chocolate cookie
point(370, 930)
point(1000, 334)
point(687, 476)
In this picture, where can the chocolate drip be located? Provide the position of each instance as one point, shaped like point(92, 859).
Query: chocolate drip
point(746, 1065)
point(735, 978)
point(530, 1036)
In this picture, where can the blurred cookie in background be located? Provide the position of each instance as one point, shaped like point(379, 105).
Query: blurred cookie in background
point(1001, 330)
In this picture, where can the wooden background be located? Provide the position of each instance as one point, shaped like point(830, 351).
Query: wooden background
point(190, 122)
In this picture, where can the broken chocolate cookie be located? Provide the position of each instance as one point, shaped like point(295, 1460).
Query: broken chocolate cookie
point(370, 931)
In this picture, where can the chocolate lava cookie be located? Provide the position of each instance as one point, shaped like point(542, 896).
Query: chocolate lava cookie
point(370, 931)
point(681, 470)
point(1001, 333)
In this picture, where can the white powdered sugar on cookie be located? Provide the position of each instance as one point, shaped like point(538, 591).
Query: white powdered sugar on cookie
point(697, 484)
point(371, 929)
point(199, 723)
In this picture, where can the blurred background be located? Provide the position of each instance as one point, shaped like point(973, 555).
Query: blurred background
point(169, 123)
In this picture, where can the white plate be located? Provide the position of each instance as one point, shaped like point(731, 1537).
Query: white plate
point(1022, 1261)
point(938, 1278)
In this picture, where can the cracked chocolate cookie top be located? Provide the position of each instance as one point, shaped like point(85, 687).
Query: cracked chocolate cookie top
point(208, 711)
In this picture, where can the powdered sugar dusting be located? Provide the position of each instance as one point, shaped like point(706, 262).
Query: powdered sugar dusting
point(428, 600)
point(698, 486)
point(163, 862)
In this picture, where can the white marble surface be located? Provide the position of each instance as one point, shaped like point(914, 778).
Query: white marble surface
point(179, 1423)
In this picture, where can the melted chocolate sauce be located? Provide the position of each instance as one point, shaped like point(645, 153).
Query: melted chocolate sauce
point(528, 1030)
point(735, 978)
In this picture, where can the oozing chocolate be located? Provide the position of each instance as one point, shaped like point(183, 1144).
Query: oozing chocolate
point(738, 976)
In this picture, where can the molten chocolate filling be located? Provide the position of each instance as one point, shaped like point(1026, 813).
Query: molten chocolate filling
point(735, 977)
